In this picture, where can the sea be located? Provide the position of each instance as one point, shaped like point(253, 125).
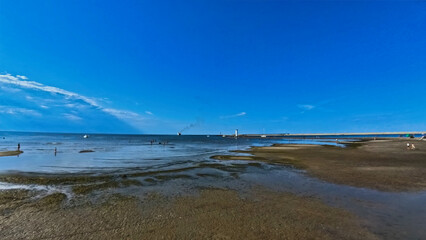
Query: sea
point(110, 153)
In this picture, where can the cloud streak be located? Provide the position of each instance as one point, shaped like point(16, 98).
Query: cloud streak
point(72, 117)
point(18, 111)
point(234, 116)
point(129, 117)
point(20, 82)
point(306, 107)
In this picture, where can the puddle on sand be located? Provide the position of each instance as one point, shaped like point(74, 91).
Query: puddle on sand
point(388, 214)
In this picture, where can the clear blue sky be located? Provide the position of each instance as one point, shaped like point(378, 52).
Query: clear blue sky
point(260, 66)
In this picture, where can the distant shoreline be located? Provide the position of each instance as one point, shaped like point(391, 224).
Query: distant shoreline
point(355, 135)
point(228, 135)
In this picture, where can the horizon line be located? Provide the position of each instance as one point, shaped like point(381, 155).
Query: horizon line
point(242, 134)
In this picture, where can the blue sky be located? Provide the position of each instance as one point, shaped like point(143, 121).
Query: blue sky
point(260, 66)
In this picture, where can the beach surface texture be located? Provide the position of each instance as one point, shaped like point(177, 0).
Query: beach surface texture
point(386, 165)
point(344, 191)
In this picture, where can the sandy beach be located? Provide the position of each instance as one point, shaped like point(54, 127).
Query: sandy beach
point(121, 206)
point(379, 164)
point(212, 214)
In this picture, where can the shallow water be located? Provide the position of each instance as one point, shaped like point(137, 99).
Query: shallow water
point(390, 215)
point(116, 152)
point(184, 165)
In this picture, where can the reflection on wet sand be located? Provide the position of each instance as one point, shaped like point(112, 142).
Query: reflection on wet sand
point(215, 213)
point(298, 191)
point(382, 164)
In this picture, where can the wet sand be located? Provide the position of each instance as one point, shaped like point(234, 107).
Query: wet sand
point(385, 165)
point(10, 153)
point(122, 206)
point(213, 214)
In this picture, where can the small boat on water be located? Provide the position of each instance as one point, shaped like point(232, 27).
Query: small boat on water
point(86, 136)
point(179, 133)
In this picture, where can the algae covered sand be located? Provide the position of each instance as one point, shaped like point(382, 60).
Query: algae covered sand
point(384, 165)
point(10, 153)
point(213, 214)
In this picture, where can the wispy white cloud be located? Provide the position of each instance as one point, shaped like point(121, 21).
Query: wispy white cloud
point(8, 89)
point(18, 81)
point(235, 115)
point(131, 118)
point(70, 105)
point(318, 106)
point(121, 113)
point(18, 111)
point(72, 117)
point(149, 113)
point(77, 106)
point(306, 107)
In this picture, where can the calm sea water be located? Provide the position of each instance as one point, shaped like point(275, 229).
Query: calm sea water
point(116, 152)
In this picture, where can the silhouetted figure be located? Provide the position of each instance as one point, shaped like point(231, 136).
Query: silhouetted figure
point(56, 151)
point(19, 147)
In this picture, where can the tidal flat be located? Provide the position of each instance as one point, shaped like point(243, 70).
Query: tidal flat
point(10, 153)
point(212, 214)
point(386, 165)
point(354, 190)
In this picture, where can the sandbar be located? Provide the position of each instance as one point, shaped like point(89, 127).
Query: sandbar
point(382, 165)
point(10, 153)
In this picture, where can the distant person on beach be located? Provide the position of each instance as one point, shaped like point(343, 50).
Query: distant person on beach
point(408, 145)
point(19, 147)
point(413, 147)
point(56, 151)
